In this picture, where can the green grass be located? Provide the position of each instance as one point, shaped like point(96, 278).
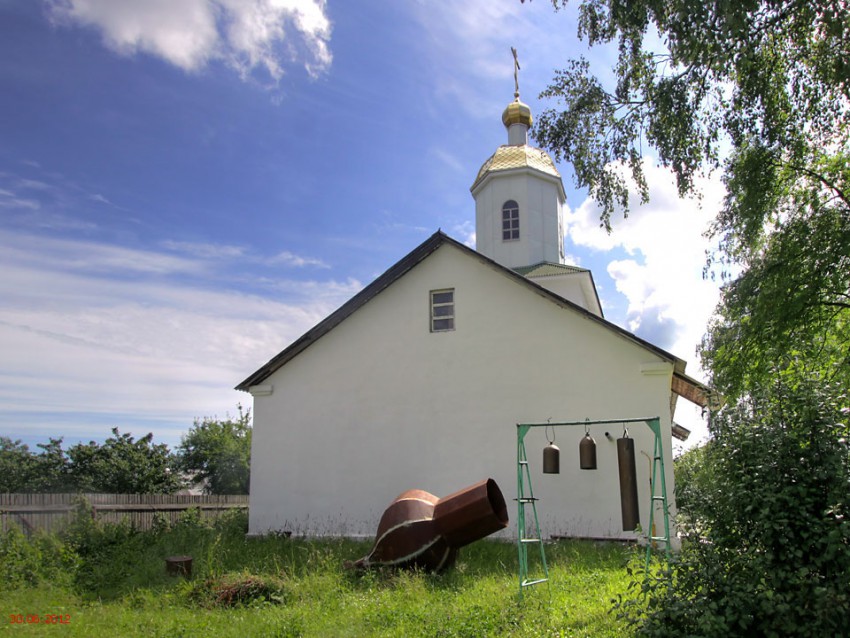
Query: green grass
point(111, 581)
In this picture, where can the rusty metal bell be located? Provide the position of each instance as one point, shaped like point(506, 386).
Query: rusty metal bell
point(551, 459)
point(587, 453)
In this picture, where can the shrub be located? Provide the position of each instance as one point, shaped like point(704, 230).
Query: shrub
point(771, 553)
point(43, 558)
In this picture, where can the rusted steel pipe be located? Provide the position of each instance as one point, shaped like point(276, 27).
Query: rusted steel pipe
point(471, 513)
point(420, 530)
point(628, 483)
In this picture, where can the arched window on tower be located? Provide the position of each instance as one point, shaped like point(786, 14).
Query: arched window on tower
point(510, 220)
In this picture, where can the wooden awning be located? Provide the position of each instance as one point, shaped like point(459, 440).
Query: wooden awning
point(695, 392)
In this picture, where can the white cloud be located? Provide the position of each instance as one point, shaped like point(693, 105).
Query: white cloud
point(97, 197)
point(469, 43)
point(450, 159)
point(227, 252)
point(255, 28)
point(669, 302)
point(245, 34)
point(9, 200)
point(32, 184)
point(466, 232)
point(88, 329)
point(67, 256)
point(289, 259)
point(205, 251)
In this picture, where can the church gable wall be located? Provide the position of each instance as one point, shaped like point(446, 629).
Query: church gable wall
point(380, 404)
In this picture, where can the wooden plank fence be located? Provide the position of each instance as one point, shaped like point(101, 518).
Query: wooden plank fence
point(51, 512)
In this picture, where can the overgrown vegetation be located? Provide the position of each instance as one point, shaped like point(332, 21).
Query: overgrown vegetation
point(759, 90)
point(766, 514)
point(215, 453)
point(120, 465)
point(110, 580)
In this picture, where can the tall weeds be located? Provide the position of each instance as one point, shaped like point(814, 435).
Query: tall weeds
point(112, 580)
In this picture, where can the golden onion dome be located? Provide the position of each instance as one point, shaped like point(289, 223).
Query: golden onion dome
point(517, 113)
point(511, 157)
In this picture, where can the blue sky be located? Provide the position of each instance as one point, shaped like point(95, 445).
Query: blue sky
point(186, 187)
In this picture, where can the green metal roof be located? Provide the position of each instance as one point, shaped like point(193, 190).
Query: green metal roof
point(547, 269)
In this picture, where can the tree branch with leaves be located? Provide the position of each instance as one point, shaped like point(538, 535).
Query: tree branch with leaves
point(759, 90)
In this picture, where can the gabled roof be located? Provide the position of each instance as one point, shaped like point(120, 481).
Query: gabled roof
point(545, 269)
point(410, 261)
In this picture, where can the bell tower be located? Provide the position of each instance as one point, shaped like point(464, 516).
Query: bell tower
point(519, 197)
point(519, 212)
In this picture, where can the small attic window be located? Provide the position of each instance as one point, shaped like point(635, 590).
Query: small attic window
point(510, 221)
point(442, 310)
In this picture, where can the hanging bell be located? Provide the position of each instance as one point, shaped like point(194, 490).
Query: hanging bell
point(628, 483)
point(551, 459)
point(587, 453)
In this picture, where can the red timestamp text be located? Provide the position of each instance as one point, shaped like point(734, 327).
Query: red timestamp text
point(39, 619)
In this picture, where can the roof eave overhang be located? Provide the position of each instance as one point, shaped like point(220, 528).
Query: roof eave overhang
point(344, 311)
point(481, 181)
point(694, 391)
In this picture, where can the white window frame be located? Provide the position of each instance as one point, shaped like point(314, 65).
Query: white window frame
point(510, 221)
point(442, 310)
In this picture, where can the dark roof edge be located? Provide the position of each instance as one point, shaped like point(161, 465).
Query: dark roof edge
point(404, 265)
point(359, 300)
point(679, 364)
point(596, 293)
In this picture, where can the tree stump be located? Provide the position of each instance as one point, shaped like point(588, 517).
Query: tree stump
point(178, 565)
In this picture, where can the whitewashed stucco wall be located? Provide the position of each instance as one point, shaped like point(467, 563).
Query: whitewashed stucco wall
point(540, 201)
point(380, 405)
point(575, 286)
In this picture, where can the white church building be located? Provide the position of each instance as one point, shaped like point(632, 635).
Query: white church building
point(419, 381)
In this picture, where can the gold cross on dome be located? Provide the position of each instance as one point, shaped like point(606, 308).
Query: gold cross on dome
point(516, 78)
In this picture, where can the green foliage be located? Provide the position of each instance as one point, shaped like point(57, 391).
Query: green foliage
point(771, 71)
point(790, 309)
point(16, 465)
point(694, 478)
point(116, 558)
point(49, 470)
point(218, 454)
point(29, 562)
point(761, 89)
point(771, 553)
point(274, 586)
point(122, 465)
point(23, 471)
